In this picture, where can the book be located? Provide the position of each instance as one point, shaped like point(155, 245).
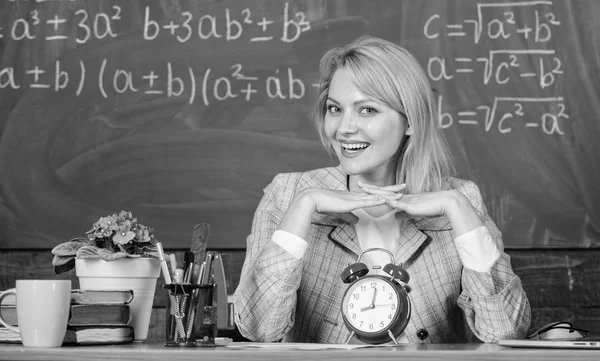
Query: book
point(9, 336)
point(79, 296)
point(82, 335)
point(98, 335)
point(9, 314)
point(99, 314)
point(83, 315)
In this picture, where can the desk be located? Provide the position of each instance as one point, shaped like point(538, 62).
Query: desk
point(156, 351)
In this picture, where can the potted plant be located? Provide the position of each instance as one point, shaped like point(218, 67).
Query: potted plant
point(118, 252)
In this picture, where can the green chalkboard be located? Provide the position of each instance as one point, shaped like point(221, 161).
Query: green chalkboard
point(183, 111)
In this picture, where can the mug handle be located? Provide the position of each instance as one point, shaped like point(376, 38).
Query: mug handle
point(2, 321)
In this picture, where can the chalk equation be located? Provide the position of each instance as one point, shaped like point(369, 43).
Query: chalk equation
point(537, 29)
point(491, 59)
point(502, 65)
point(507, 113)
point(227, 26)
point(194, 84)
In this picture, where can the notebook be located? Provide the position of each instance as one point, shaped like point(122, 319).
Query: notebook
point(592, 342)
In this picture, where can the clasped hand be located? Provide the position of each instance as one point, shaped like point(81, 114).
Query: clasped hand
point(342, 203)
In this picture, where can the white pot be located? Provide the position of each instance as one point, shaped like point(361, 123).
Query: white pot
point(137, 274)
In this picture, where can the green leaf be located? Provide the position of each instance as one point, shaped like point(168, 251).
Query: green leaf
point(71, 247)
point(60, 260)
point(65, 267)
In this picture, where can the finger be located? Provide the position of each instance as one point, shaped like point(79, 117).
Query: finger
point(395, 187)
point(392, 197)
point(371, 202)
point(392, 188)
point(378, 191)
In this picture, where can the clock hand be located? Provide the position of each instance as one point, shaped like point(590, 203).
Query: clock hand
point(366, 308)
point(372, 305)
point(374, 296)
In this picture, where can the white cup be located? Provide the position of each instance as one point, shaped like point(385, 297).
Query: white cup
point(42, 311)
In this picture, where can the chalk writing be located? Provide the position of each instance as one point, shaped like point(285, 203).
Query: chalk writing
point(502, 66)
point(206, 26)
point(535, 64)
point(282, 84)
point(549, 122)
point(182, 27)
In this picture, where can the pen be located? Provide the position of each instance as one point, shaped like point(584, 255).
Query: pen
point(207, 272)
point(163, 263)
point(188, 266)
point(200, 274)
point(173, 261)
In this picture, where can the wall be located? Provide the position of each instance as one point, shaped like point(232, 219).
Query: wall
point(183, 111)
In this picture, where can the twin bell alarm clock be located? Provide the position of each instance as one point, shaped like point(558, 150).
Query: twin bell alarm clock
point(375, 308)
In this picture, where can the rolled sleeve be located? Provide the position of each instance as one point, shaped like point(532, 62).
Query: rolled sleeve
point(292, 244)
point(477, 250)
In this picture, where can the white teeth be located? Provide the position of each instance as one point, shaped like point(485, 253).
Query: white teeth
point(355, 146)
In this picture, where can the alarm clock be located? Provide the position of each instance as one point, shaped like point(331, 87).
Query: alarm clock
point(375, 308)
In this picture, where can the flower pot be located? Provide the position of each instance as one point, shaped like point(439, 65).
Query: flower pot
point(137, 274)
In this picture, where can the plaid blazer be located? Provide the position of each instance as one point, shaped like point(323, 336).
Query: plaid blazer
point(279, 297)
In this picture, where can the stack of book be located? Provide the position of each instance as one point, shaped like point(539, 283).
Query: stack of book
point(97, 317)
point(9, 314)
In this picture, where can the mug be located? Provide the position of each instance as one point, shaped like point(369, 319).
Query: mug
point(42, 311)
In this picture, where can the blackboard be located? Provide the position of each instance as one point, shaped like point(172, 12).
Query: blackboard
point(182, 111)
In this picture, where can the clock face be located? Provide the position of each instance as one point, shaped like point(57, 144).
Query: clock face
point(371, 305)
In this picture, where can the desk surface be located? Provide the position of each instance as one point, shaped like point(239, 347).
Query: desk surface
point(157, 351)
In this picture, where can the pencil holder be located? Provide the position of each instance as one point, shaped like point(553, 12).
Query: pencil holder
point(191, 320)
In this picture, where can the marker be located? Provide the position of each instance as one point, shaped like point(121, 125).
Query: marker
point(173, 261)
point(163, 263)
point(188, 266)
point(200, 274)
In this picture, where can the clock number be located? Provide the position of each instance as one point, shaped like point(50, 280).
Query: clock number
point(390, 316)
point(354, 316)
point(356, 296)
point(351, 305)
point(381, 324)
point(393, 306)
point(363, 288)
point(391, 296)
point(370, 326)
point(373, 284)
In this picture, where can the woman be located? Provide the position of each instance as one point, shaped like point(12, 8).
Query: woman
point(392, 189)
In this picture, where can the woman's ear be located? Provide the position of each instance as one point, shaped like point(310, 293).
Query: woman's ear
point(408, 130)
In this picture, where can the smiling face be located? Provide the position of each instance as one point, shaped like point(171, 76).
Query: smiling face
point(364, 132)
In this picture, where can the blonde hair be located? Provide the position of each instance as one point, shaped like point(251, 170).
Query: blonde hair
point(390, 74)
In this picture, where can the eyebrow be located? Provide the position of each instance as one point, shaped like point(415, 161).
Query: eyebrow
point(359, 102)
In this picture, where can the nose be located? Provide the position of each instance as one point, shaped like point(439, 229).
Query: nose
point(347, 124)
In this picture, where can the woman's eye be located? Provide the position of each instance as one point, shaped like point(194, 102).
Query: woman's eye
point(367, 110)
point(333, 108)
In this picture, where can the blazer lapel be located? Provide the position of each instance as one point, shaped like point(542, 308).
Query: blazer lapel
point(412, 235)
point(342, 232)
point(411, 239)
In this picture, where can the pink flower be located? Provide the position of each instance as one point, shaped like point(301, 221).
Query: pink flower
point(123, 237)
point(109, 222)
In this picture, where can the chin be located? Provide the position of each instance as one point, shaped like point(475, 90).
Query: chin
point(352, 169)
